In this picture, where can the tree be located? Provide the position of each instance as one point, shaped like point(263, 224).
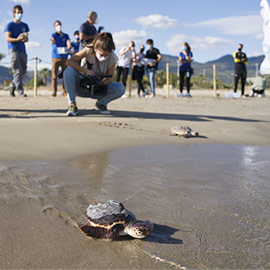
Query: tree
point(44, 73)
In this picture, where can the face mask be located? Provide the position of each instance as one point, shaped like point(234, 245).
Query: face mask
point(77, 39)
point(184, 48)
point(148, 47)
point(101, 58)
point(18, 16)
point(58, 28)
point(141, 50)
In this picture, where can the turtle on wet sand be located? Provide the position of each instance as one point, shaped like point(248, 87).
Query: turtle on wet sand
point(183, 131)
point(111, 220)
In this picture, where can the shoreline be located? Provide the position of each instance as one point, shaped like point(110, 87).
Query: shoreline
point(37, 128)
point(53, 166)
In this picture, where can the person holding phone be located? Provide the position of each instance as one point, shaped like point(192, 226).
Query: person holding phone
point(60, 47)
point(185, 71)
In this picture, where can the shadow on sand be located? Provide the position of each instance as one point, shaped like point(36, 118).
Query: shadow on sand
point(55, 113)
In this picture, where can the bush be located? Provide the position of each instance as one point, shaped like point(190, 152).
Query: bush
point(39, 82)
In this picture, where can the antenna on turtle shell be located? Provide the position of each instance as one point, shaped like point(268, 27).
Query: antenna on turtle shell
point(133, 194)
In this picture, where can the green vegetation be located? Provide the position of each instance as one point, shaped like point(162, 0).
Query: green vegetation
point(45, 73)
point(1, 56)
point(39, 82)
point(198, 81)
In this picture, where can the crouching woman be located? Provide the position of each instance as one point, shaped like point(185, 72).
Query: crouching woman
point(100, 60)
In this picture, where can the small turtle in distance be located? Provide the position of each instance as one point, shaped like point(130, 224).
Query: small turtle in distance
point(184, 131)
point(111, 220)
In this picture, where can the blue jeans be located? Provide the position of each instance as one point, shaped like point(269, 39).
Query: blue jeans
point(151, 74)
point(72, 80)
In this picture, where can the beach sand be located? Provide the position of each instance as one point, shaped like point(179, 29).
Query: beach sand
point(53, 166)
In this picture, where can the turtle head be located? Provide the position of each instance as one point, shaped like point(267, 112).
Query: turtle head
point(139, 229)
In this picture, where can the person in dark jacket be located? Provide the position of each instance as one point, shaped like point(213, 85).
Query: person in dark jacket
point(240, 72)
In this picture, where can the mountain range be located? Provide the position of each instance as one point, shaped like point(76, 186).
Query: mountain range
point(224, 68)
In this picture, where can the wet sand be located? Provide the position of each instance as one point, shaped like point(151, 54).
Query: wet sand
point(207, 196)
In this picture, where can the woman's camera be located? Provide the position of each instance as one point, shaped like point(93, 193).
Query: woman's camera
point(94, 85)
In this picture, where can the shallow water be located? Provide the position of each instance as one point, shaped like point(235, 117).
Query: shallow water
point(210, 203)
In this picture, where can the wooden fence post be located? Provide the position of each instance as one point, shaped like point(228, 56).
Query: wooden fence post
point(214, 81)
point(130, 79)
point(35, 77)
point(168, 79)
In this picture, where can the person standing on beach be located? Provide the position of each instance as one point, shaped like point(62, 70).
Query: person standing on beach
point(88, 30)
point(154, 57)
point(240, 61)
point(16, 37)
point(127, 53)
point(76, 43)
point(60, 46)
point(138, 70)
point(185, 71)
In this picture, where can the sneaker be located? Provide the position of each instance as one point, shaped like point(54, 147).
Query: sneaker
point(188, 95)
point(11, 89)
point(179, 95)
point(102, 108)
point(261, 95)
point(22, 94)
point(72, 110)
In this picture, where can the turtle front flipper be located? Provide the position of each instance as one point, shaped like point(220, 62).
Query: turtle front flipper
point(101, 233)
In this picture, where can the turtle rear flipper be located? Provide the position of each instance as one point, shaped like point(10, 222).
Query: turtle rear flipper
point(100, 233)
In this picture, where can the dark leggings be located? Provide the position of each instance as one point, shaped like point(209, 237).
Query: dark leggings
point(139, 77)
point(237, 76)
point(183, 74)
point(119, 71)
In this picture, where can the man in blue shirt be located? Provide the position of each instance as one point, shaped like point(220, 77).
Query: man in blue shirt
point(60, 46)
point(76, 43)
point(88, 30)
point(16, 36)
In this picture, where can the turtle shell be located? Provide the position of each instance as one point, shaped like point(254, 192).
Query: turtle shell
point(109, 214)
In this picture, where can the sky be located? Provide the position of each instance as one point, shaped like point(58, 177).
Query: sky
point(213, 28)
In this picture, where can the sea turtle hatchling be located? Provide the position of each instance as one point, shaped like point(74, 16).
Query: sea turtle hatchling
point(183, 131)
point(111, 220)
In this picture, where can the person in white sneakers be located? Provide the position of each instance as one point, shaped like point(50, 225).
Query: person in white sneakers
point(127, 53)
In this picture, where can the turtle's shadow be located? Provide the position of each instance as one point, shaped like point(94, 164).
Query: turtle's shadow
point(162, 234)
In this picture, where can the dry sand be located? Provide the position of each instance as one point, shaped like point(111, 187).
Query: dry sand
point(32, 235)
point(37, 128)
